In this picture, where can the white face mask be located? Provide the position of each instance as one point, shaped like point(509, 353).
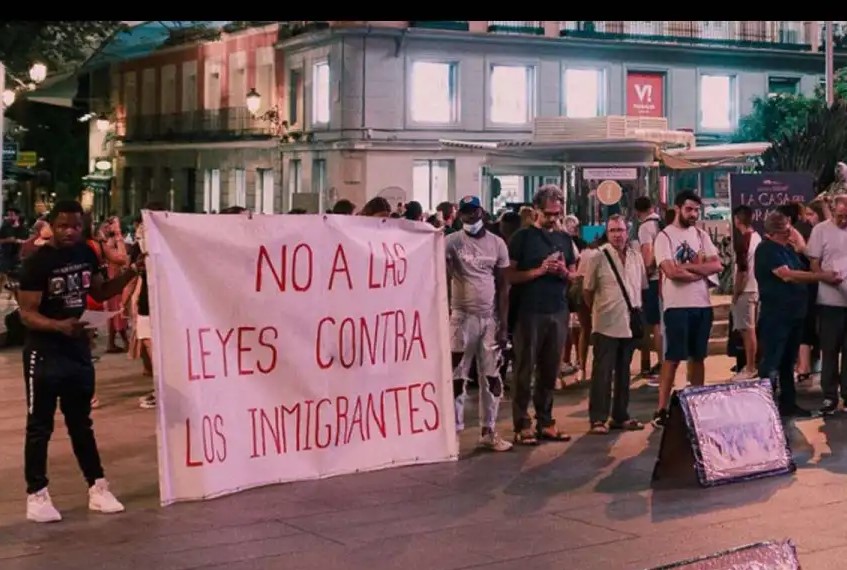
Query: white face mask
point(473, 228)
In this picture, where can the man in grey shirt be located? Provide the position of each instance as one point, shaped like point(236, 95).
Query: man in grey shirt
point(827, 250)
point(479, 301)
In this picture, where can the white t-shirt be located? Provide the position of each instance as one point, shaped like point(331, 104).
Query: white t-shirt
point(828, 244)
point(683, 246)
point(751, 285)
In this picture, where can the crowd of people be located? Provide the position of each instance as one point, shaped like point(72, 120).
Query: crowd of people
point(527, 298)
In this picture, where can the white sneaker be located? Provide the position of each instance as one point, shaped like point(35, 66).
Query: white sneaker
point(39, 507)
point(102, 500)
point(494, 442)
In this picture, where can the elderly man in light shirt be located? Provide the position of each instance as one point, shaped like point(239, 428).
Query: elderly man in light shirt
point(612, 337)
point(827, 250)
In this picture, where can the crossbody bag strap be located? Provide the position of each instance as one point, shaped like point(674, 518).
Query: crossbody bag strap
point(618, 277)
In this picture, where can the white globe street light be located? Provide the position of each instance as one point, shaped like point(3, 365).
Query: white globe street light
point(38, 72)
point(8, 98)
point(102, 123)
point(254, 101)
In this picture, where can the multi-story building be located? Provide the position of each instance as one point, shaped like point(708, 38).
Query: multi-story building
point(184, 134)
point(380, 95)
point(357, 108)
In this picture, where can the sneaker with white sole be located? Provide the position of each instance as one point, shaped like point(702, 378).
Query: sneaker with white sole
point(494, 442)
point(102, 500)
point(39, 507)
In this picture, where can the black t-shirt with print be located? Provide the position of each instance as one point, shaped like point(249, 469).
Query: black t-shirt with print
point(63, 277)
point(529, 247)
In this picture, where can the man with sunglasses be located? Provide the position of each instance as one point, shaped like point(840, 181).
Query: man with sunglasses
point(541, 259)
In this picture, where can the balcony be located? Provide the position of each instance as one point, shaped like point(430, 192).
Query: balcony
point(234, 123)
point(513, 27)
point(752, 34)
point(456, 25)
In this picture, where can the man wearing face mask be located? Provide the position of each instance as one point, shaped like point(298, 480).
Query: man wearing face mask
point(479, 302)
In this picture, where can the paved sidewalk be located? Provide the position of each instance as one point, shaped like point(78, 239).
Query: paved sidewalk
point(583, 505)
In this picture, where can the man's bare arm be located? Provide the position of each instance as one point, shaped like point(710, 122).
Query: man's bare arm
point(102, 290)
point(709, 266)
point(516, 277)
point(29, 301)
point(676, 272)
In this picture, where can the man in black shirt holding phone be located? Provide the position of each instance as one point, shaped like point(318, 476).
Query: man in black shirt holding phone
point(540, 261)
point(54, 287)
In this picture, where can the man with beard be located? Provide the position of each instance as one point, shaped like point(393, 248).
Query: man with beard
point(686, 258)
point(476, 263)
point(541, 261)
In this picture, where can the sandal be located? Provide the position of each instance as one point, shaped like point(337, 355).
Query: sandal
point(803, 377)
point(599, 428)
point(628, 425)
point(525, 437)
point(550, 433)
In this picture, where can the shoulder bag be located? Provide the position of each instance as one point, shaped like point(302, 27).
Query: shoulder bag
point(636, 319)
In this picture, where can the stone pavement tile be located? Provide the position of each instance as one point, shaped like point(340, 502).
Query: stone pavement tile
point(828, 559)
point(418, 552)
point(145, 556)
point(400, 520)
point(471, 546)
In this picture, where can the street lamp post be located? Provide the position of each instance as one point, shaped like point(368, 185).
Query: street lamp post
point(37, 73)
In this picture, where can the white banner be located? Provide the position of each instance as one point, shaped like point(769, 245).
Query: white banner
point(296, 347)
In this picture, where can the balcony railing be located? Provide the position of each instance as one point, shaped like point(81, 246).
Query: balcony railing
point(210, 125)
point(459, 25)
point(752, 34)
point(513, 27)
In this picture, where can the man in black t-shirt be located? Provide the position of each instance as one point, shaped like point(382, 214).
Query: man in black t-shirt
point(54, 287)
point(540, 259)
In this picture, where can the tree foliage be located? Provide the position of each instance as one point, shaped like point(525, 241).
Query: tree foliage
point(816, 147)
point(57, 44)
point(777, 116)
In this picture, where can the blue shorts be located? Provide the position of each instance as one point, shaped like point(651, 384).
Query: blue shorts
point(652, 312)
point(687, 333)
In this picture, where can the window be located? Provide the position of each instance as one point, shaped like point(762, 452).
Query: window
point(264, 191)
point(434, 92)
point(189, 86)
point(320, 93)
point(512, 96)
point(717, 102)
point(783, 86)
point(211, 191)
point(319, 185)
point(295, 96)
point(584, 89)
point(294, 179)
point(239, 197)
point(431, 182)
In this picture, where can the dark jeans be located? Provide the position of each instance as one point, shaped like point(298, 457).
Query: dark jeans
point(780, 340)
point(833, 343)
point(610, 372)
point(539, 342)
point(52, 378)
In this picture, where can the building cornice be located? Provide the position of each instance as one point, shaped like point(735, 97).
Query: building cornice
point(583, 48)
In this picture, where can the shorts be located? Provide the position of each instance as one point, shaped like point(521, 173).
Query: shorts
point(745, 311)
point(687, 332)
point(652, 312)
point(475, 337)
point(143, 330)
